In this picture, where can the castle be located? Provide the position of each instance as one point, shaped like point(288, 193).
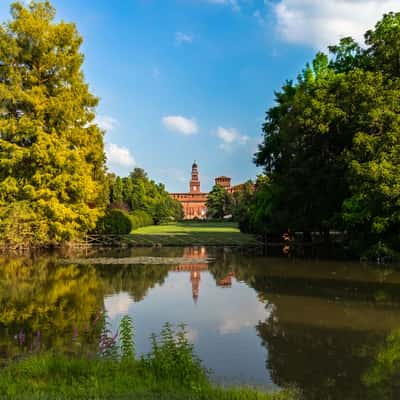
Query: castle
point(194, 202)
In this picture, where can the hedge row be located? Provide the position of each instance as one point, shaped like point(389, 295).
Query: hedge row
point(140, 218)
point(119, 222)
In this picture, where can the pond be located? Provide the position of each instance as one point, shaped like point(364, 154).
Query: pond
point(321, 326)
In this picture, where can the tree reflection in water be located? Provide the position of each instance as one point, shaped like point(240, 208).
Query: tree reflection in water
point(37, 295)
point(383, 378)
point(324, 331)
point(62, 302)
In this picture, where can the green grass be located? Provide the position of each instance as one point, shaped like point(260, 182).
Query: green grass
point(183, 228)
point(171, 370)
point(194, 233)
point(54, 377)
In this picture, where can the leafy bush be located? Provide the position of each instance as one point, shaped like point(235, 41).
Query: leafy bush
point(172, 357)
point(115, 222)
point(140, 218)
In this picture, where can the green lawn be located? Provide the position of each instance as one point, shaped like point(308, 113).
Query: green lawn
point(194, 233)
point(183, 228)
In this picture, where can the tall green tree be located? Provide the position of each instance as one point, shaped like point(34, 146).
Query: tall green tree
point(331, 148)
point(383, 51)
point(51, 152)
point(219, 203)
point(139, 193)
point(241, 201)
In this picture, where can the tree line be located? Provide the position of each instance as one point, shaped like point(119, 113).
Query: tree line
point(136, 201)
point(331, 147)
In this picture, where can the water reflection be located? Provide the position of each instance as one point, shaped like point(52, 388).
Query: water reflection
point(196, 253)
point(331, 329)
point(382, 379)
point(40, 298)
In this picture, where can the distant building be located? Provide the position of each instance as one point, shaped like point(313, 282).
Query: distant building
point(194, 202)
point(223, 181)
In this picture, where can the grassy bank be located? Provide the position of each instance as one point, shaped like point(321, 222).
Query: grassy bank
point(59, 377)
point(171, 370)
point(194, 233)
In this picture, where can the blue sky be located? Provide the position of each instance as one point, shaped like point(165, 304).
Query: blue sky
point(181, 80)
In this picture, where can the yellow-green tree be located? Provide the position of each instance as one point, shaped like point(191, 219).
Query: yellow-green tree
point(51, 152)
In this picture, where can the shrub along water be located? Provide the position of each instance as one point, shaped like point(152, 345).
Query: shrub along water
point(140, 219)
point(170, 371)
point(114, 222)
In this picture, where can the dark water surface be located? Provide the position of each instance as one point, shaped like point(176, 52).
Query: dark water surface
point(331, 329)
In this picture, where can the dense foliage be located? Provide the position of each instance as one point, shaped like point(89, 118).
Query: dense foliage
point(219, 203)
point(114, 222)
point(241, 202)
point(51, 152)
point(140, 218)
point(139, 193)
point(331, 148)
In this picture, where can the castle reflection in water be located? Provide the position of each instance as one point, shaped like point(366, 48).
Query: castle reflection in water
point(196, 269)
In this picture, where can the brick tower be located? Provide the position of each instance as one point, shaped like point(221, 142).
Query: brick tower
point(195, 182)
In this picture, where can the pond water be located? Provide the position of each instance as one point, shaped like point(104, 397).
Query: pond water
point(324, 327)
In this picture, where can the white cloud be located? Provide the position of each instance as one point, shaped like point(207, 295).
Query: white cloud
point(240, 319)
point(177, 123)
point(117, 304)
point(119, 156)
point(181, 38)
point(106, 122)
point(319, 23)
point(231, 137)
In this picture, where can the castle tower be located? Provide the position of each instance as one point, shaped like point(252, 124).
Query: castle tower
point(195, 279)
point(195, 182)
point(223, 181)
